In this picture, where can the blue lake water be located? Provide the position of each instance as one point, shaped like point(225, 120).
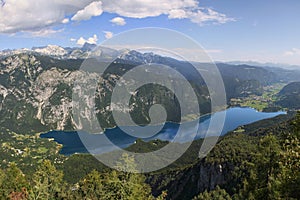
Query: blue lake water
point(100, 143)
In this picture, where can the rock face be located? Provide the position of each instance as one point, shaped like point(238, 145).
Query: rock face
point(51, 50)
point(36, 93)
point(26, 90)
point(187, 183)
point(37, 86)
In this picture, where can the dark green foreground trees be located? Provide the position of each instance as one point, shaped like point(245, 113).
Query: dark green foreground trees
point(47, 183)
point(271, 172)
point(275, 168)
point(266, 165)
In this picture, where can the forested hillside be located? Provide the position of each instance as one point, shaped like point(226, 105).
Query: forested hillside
point(289, 96)
point(257, 161)
point(249, 163)
point(36, 90)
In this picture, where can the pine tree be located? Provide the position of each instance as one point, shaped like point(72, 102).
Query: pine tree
point(47, 182)
point(291, 160)
point(116, 184)
point(91, 187)
point(265, 173)
point(217, 194)
point(127, 184)
point(12, 180)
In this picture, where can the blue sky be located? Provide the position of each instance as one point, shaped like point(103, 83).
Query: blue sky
point(257, 30)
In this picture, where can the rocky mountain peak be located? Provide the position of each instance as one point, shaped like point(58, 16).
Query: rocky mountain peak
point(51, 50)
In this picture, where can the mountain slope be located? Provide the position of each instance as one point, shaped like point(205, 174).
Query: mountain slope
point(36, 89)
point(289, 96)
point(224, 166)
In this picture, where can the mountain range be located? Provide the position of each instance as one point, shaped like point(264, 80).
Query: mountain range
point(36, 86)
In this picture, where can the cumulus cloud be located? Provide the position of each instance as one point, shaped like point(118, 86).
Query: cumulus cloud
point(28, 15)
point(177, 14)
point(65, 21)
point(92, 40)
point(204, 15)
point(118, 21)
point(174, 9)
point(108, 34)
point(44, 32)
point(93, 9)
point(292, 52)
point(146, 8)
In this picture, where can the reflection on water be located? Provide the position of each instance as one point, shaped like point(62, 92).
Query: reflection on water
point(99, 143)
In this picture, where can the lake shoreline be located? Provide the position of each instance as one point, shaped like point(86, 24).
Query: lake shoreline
point(237, 116)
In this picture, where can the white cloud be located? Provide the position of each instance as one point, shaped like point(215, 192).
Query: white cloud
point(145, 8)
point(81, 41)
point(174, 9)
point(177, 14)
point(108, 34)
point(65, 21)
point(92, 40)
point(118, 21)
point(204, 15)
point(293, 52)
point(72, 39)
point(28, 15)
point(93, 9)
point(42, 32)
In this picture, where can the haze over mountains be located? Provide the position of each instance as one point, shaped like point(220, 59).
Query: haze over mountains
point(267, 64)
point(150, 114)
point(59, 52)
point(41, 80)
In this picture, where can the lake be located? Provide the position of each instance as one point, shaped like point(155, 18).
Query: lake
point(235, 117)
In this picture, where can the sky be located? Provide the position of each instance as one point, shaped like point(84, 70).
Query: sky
point(229, 30)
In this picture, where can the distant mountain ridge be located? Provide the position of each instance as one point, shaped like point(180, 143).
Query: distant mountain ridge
point(36, 85)
point(88, 49)
point(59, 52)
point(267, 64)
